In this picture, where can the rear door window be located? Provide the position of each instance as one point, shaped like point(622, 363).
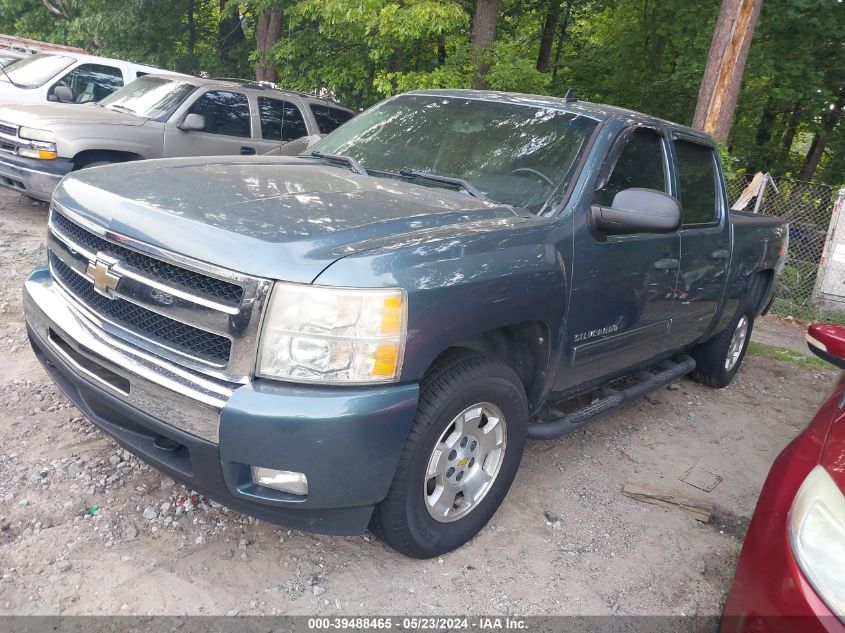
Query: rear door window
point(92, 82)
point(640, 164)
point(329, 119)
point(697, 175)
point(225, 113)
point(280, 120)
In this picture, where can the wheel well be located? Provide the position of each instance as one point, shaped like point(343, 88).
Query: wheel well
point(524, 347)
point(88, 156)
point(758, 289)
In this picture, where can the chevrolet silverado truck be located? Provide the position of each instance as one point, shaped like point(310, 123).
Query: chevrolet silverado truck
point(366, 335)
point(157, 116)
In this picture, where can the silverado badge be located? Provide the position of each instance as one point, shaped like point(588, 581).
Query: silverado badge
point(100, 272)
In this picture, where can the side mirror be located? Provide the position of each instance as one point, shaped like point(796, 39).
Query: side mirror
point(638, 211)
point(193, 123)
point(63, 94)
point(827, 341)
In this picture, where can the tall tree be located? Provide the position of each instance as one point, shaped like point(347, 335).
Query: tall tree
point(547, 37)
point(722, 79)
point(230, 34)
point(268, 27)
point(821, 138)
point(483, 37)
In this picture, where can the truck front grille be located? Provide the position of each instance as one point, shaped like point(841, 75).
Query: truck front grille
point(161, 302)
point(209, 287)
point(161, 329)
point(9, 141)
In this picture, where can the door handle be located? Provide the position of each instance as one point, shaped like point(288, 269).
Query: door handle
point(247, 151)
point(666, 264)
point(721, 254)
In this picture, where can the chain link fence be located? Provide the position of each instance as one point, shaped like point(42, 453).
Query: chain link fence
point(807, 206)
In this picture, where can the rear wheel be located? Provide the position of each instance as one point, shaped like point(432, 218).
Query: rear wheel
point(718, 360)
point(461, 457)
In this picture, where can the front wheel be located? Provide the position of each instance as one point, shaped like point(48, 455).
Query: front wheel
point(462, 454)
point(718, 360)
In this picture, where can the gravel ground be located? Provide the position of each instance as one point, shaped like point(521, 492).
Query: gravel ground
point(85, 528)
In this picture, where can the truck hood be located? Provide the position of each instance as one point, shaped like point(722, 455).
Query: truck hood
point(49, 116)
point(282, 218)
point(11, 94)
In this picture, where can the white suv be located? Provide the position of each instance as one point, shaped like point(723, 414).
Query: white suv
point(67, 77)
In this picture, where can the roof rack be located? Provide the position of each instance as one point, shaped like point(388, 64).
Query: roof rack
point(269, 85)
point(25, 45)
point(249, 83)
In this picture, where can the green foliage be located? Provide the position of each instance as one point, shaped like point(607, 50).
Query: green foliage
point(646, 55)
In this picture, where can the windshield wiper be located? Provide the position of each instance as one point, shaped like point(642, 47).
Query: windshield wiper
point(11, 81)
point(123, 108)
point(446, 180)
point(337, 158)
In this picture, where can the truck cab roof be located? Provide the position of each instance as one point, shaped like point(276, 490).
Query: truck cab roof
point(597, 111)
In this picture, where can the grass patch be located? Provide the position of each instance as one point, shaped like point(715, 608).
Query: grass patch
point(779, 353)
point(807, 312)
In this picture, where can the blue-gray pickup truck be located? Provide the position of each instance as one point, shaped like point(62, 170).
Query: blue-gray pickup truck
point(367, 335)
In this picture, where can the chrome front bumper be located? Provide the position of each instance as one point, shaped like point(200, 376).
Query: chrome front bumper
point(172, 394)
point(31, 181)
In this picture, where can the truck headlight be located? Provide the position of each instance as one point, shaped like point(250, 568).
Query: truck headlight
point(31, 134)
point(817, 537)
point(320, 334)
point(42, 144)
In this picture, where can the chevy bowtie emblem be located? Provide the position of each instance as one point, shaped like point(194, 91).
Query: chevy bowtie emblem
point(100, 272)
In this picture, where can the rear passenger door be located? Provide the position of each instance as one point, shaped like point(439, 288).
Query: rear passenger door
point(228, 127)
point(705, 238)
point(281, 122)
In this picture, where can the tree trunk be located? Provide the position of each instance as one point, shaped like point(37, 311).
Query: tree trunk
point(814, 156)
point(722, 79)
point(192, 32)
point(789, 134)
point(267, 31)
point(483, 36)
point(230, 33)
point(561, 37)
point(767, 121)
point(548, 36)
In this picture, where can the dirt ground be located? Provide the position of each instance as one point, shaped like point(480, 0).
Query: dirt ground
point(85, 528)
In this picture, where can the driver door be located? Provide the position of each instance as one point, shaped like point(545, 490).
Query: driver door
point(228, 127)
point(623, 286)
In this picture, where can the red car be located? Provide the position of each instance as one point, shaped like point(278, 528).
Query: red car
point(791, 572)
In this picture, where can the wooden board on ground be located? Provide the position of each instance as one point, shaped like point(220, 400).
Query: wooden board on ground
point(698, 509)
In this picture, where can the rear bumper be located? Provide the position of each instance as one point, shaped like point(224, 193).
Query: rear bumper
point(346, 440)
point(34, 178)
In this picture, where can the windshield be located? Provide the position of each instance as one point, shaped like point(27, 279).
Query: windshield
point(7, 60)
point(36, 70)
point(149, 97)
point(514, 154)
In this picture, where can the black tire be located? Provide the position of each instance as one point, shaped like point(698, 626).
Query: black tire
point(459, 381)
point(710, 357)
point(96, 163)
